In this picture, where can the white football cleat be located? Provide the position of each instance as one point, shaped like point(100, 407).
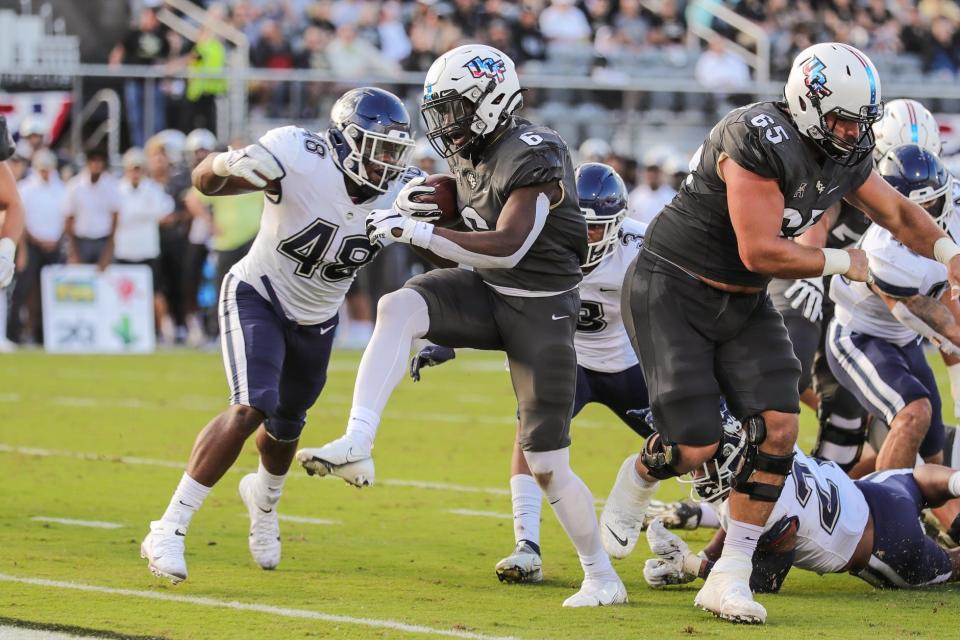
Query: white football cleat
point(596, 593)
point(726, 593)
point(622, 518)
point(341, 458)
point(163, 550)
point(264, 540)
point(523, 565)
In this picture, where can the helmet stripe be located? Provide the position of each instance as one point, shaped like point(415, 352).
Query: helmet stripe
point(914, 129)
point(870, 77)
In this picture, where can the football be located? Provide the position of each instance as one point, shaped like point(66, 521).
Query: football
point(444, 196)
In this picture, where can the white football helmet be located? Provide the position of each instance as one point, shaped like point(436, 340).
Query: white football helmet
point(198, 140)
point(906, 121)
point(834, 78)
point(468, 92)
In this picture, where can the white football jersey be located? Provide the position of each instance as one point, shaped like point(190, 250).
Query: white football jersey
point(601, 340)
point(953, 226)
point(896, 270)
point(831, 514)
point(312, 238)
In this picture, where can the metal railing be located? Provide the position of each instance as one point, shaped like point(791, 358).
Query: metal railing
point(108, 128)
point(759, 61)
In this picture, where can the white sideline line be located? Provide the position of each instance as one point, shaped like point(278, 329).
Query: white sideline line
point(481, 514)
point(444, 486)
point(96, 524)
point(259, 608)
point(303, 519)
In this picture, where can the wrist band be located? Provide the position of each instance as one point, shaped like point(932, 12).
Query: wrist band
point(422, 232)
point(944, 249)
point(835, 261)
point(219, 165)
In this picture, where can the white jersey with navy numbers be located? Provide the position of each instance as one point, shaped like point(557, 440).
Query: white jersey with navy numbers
point(897, 271)
point(953, 226)
point(312, 238)
point(830, 511)
point(601, 340)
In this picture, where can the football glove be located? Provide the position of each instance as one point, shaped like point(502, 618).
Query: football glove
point(253, 163)
point(406, 206)
point(6, 144)
point(674, 563)
point(430, 356)
point(382, 222)
point(808, 294)
point(8, 266)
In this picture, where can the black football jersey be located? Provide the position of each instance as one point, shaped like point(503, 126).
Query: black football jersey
point(851, 224)
point(694, 230)
point(523, 155)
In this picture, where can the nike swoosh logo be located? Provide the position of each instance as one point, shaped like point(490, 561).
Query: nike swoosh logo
point(556, 317)
point(602, 290)
point(832, 190)
point(555, 501)
point(325, 330)
point(623, 541)
point(190, 506)
point(180, 532)
point(264, 510)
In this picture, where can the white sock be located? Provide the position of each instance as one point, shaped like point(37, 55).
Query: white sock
point(527, 499)
point(270, 486)
point(709, 516)
point(954, 484)
point(742, 537)
point(402, 316)
point(188, 497)
point(573, 503)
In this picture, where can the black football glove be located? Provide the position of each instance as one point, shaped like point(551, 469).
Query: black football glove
point(430, 356)
point(6, 144)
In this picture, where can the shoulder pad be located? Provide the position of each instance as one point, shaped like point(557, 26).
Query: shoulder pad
point(296, 149)
point(761, 139)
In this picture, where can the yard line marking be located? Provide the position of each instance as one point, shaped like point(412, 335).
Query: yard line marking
point(96, 524)
point(481, 514)
point(258, 608)
point(302, 519)
point(444, 486)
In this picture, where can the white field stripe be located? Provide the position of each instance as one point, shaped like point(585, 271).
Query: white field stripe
point(258, 608)
point(95, 524)
point(481, 514)
point(303, 519)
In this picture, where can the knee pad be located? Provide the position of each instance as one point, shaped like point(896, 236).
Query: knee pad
point(284, 429)
point(551, 469)
point(660, 458)
point(849, 434)
point(404, 307)
point(756, 460)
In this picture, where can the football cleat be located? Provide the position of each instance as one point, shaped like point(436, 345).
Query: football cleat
point(341, 458)
point(674, 515)
point(596, 593)
point(163, 550)
point(726, 593)
point(523, 565)
point(623, 514)
point(264, 540)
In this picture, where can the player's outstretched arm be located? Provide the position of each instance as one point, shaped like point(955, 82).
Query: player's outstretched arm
point(929, 317)
point(237, 171)
point(756, 213)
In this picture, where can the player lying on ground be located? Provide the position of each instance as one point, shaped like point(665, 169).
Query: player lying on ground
point(698, 312)
point(528, 238)
point(873, 343)
point(823, 521)
point(279, 304)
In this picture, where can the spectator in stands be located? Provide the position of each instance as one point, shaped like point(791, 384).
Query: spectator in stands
point(653, 194)
point(724, 72)
point(500, 35)
point(273, 51)
point(143, 204)
point(43, 196)
point(92, 208)
point(198, 145)
point(392, 34)
point(941, 58)
point(243, 19)
point(563, 22)
point(351, 57)
point(913, 30)
point(530, 40)
point(145, 45)
point(668, 27)
point(469, 16)
point(32, 134)
point(208, 56)
point(431, 33)
point(318, 15)
point(933, 9)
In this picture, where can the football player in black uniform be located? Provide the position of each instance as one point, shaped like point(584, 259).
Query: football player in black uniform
point(526, 239)
point(765, 174)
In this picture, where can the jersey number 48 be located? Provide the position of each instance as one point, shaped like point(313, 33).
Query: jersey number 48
point(308, 247)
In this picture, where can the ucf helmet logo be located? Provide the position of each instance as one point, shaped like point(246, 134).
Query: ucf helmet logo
point(486, 68)
point(815, 79)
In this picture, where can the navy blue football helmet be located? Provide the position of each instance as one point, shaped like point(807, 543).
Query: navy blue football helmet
point(603, 200)
point(920, 176)
point(370, 134)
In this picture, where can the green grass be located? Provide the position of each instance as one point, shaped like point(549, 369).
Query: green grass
point(399, 554)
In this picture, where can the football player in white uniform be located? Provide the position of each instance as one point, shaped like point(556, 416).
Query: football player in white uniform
point(873, 343)
point(12, 207)
point(823, 521)
point(279, 304)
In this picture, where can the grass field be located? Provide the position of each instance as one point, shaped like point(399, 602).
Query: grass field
point(105, 439)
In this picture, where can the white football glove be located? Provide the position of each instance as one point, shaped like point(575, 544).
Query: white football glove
point(807, 293)
point(253, 163)
point(382, 222)
point(674, 563)
point(409, 208)
point(8, 263)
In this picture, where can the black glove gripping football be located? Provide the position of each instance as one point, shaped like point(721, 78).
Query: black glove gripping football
point(431, 355)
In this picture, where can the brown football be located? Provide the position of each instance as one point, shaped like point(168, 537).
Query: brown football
point(444, 196)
